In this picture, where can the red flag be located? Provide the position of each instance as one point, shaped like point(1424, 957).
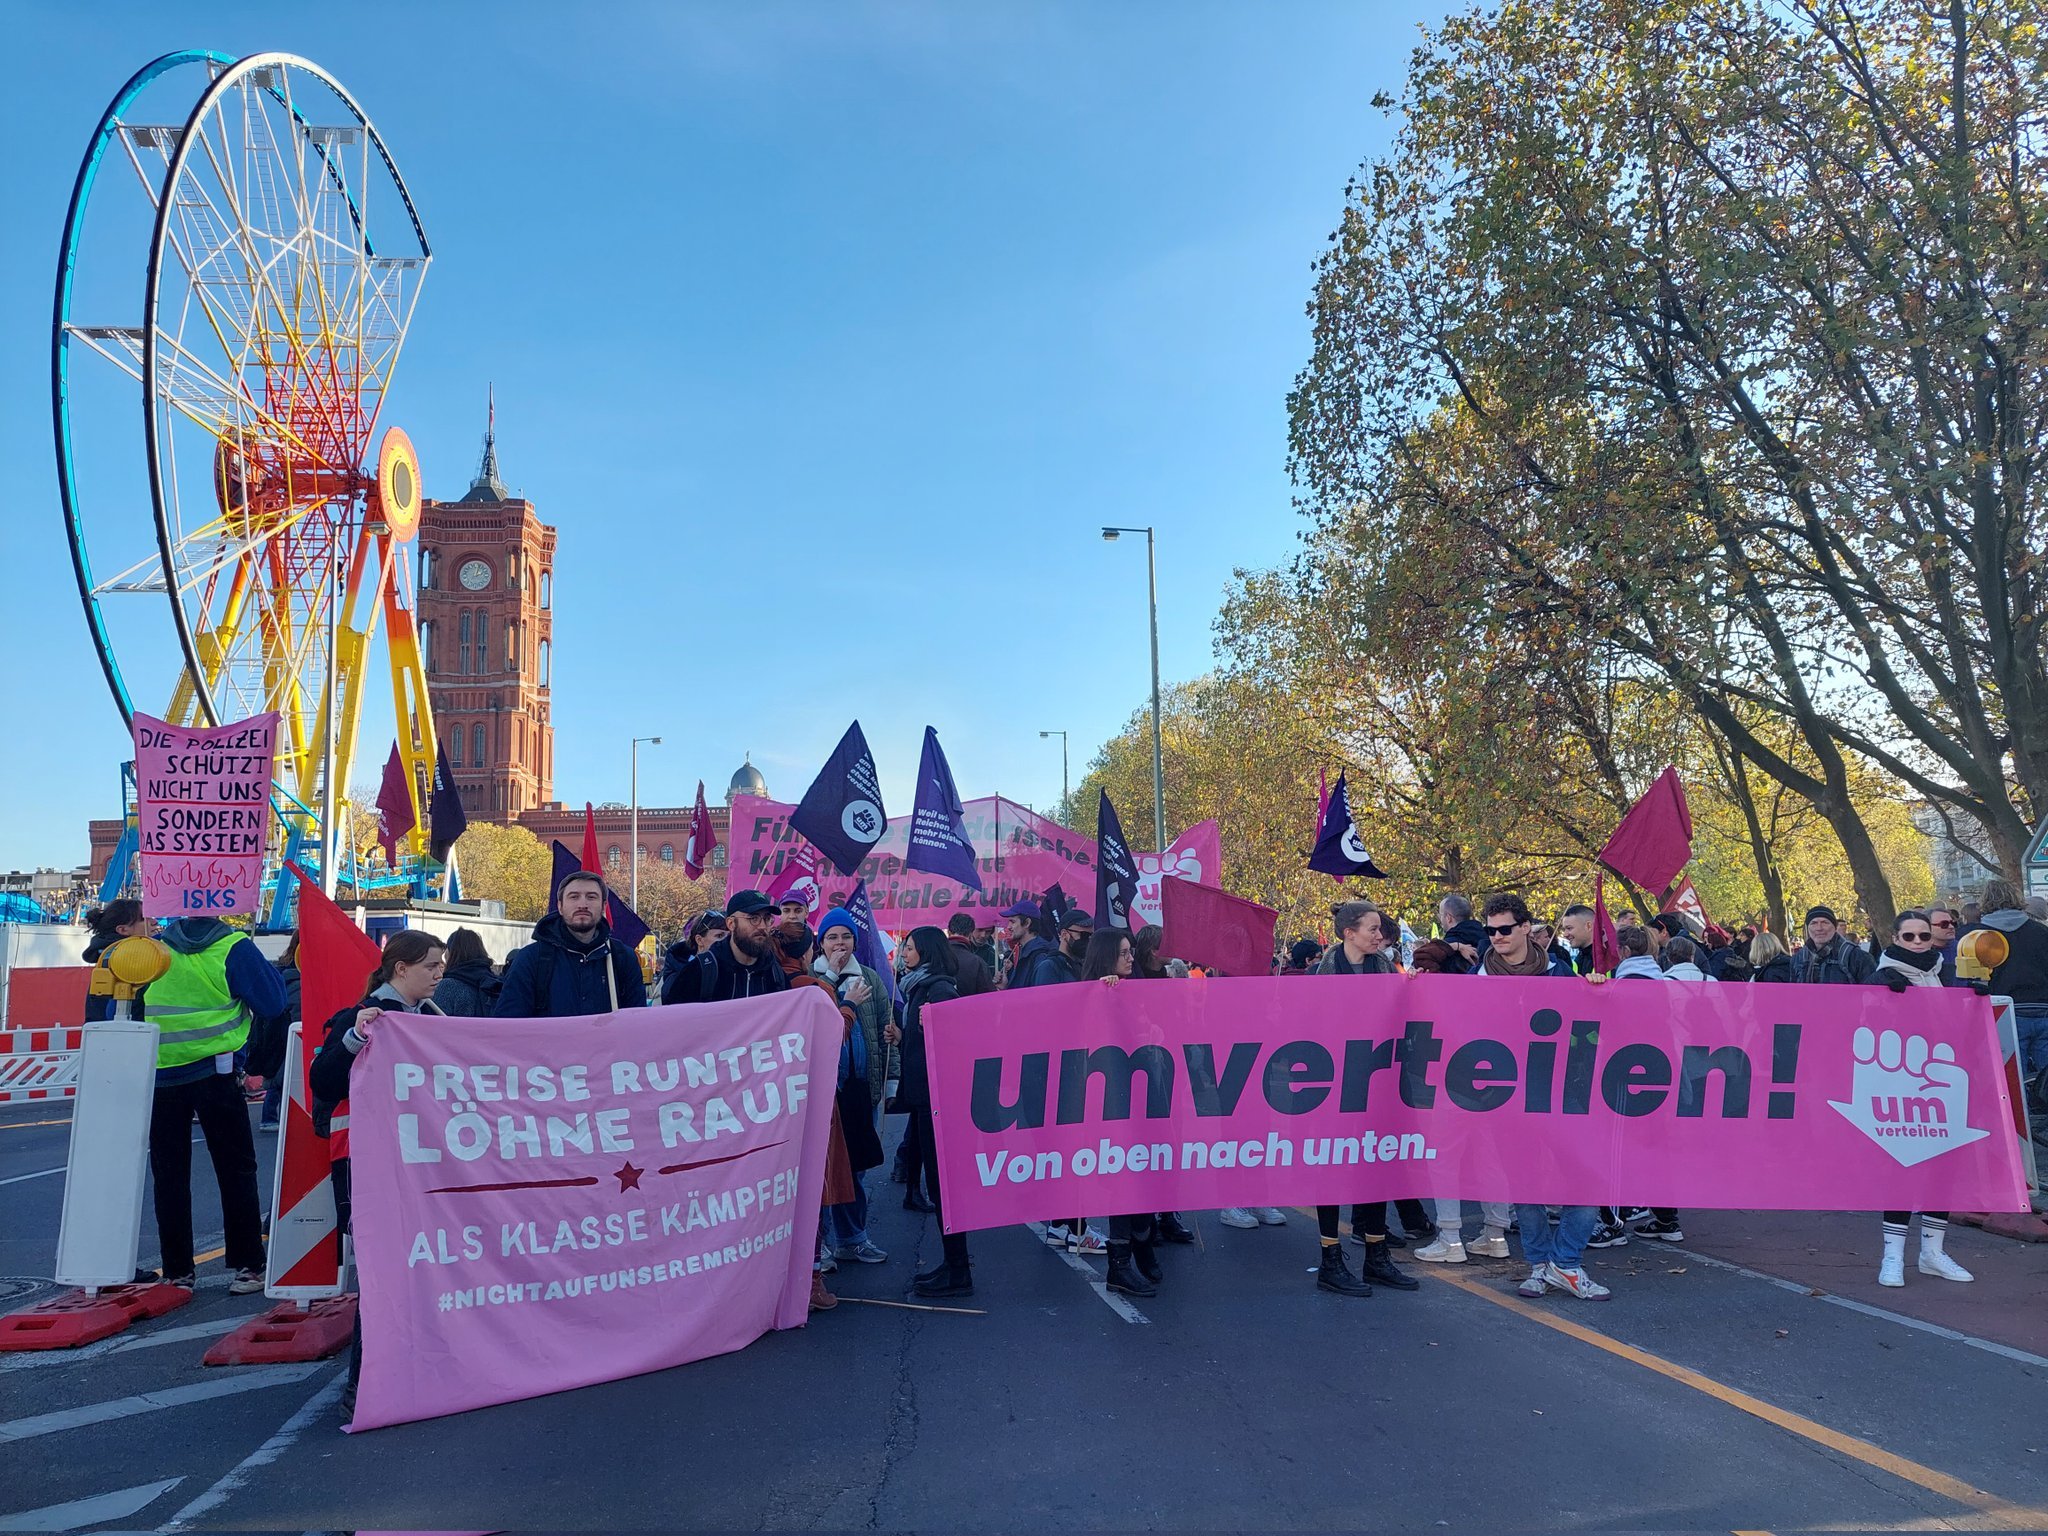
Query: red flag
point(1606, 942)
point(697, 851)
point(594, 864)
point(394, 807)
point(335, 961)
point(1687, 901)
point(1216, 930)
point(1654, 839)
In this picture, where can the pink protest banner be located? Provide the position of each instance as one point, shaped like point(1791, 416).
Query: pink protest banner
point(1190, 1095)
point(1019, 852)
point(203, 814)
point(541, 1204)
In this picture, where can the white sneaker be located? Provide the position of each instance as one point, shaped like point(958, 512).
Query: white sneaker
point(1535, 1283)
point(248, 1282)
point(1934, 1262)
point(1489, 1245)
point(1445, 1250)
point(1270, 1215)
point(1091, 1244)
point(1237, 1216)
point(1893, 1270)
point(1577, 1281)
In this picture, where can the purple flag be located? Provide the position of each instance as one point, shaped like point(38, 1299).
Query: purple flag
point(1116, 872)
point(867, 941)
point(1339, 849)
point(842, 810)
point(394, 807)
point(939, 844)
point(446, 819)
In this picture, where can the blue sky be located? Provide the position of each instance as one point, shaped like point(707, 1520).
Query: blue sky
point(827, 335)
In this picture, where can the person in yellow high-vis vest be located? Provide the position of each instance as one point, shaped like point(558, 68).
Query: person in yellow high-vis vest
point(218, 985)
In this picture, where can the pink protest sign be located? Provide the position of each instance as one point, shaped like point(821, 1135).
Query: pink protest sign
point(1019, 852)
point(1190, 1095)
point(542, 1204)
point(203, 814)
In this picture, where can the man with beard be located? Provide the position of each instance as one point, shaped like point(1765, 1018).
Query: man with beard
point(742, 964)
point(1035, 960)
point(573, 967)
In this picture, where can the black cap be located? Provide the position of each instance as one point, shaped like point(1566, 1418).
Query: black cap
point(1078, 918)
point(749, 902)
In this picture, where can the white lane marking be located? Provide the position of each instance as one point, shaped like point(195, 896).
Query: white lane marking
point(1116, 1303)
point(151, 1402)
point(97, 1510)
point(287, 1435)
point(1813, 1293)
point(121, 1344)
point(40, 1173)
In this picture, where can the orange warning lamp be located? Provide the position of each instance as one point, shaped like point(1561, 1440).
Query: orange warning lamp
point(1980, 952)
point(129, 966)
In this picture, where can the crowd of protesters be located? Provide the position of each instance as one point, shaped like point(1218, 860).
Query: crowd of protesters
point(222, 1005)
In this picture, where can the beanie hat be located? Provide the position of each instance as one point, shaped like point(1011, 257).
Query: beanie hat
point(1826, 912)
point(838, 917)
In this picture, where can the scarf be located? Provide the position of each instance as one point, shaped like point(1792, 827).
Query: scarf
point(853, 1051)
point(1905, 959)
point(1535, 963)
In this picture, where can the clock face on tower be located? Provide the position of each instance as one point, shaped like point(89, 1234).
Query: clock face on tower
point(474, 575)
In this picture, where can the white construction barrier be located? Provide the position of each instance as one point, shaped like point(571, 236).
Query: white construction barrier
point(103, 1180)
point(38, 1064)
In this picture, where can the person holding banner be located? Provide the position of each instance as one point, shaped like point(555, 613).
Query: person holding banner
point(864, 1069)
point(404, 981)
point(217, 986)
point(929, 977)
point(853, 1144)
point(1133, 1262)
point(574, 968)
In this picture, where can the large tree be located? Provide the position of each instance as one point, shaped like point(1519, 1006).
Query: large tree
point(1713, 330)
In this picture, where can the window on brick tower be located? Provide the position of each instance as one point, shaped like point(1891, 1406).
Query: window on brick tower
point(545, 660)
point(512, 644)
point(547, 589)
point(477, 756)
point(427, 645)
point(426, 569)
point(483, 641)
point(455, 746)
point(465, 633)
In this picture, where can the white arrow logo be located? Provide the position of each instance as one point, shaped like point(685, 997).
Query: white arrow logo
point(1912, 1100)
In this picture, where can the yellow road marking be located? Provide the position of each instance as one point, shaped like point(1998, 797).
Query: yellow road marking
point(22, 1125)
point(1994, 1513)
point(208, 1256)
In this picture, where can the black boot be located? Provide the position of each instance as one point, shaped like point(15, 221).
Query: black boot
point(915, 1201)
point(1124, 1276)
point(1147, 1260)
point(1336, 1276)
point(1172, 1229)
point(1378, 1266)
point(938, 1269)
point(947, 1280)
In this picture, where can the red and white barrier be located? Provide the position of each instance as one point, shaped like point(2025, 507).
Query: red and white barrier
point(39, 1064)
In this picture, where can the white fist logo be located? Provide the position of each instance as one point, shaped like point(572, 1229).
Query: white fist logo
point(862, 821)
point(1913, 1100)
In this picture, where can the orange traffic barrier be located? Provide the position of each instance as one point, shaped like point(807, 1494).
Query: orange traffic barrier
point(289, 1332)
point(76, 1318)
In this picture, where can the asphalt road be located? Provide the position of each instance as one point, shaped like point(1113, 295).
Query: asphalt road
point(1700, 1397)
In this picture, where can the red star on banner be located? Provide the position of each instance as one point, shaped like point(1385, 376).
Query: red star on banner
point(628, 1177)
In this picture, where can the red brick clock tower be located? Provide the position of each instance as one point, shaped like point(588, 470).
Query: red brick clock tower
point(486, 600)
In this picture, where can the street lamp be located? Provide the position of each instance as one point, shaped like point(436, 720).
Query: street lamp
point(633, 899)
point(1158, 752)
point(1064, 791)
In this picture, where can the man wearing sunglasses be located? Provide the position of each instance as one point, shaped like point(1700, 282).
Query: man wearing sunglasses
point(1942, 920)
point(1556, 1255)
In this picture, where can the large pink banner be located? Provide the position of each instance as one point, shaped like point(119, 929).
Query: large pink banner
point(542, 1204)
point(1020, 854)
point(1190, 1095)
point(202, 814)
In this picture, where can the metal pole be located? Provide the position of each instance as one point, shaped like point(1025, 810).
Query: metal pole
point(1066, 790)
point(633, 899)
point(1158, 754)
point(327, 829)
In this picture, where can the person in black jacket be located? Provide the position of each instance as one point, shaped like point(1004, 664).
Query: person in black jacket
point(1826, 958)
point(742, 964)
point(404, 981)
point(117, 920)
point(1767, 956)
point(2023, 975)
point(574, 967)
point(975, 977)
point(1036, 960)
point(929, 974)
point(470, 986)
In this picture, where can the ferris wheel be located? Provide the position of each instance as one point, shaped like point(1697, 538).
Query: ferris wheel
point(281, 259)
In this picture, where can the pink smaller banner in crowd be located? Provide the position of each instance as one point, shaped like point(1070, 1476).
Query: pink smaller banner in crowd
point(542, 1204)
point(203, 814)
point(1324, 1090)
point(1020, 854)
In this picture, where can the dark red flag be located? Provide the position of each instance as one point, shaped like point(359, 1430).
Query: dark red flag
point(1222, 933)
point(591, 861)
point(1654, 839)
point(394, 806)
point(703, 838)
point(1606, 943)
